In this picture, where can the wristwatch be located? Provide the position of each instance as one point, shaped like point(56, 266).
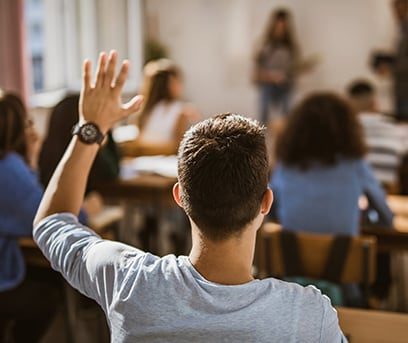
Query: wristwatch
point(88, 133)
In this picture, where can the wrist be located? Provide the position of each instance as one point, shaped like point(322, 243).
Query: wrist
point(89, 132)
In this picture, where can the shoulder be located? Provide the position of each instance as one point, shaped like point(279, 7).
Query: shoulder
point(295, 298)
point(12, 159)
point(190, 112)
point(14, 163)
point(293, 292)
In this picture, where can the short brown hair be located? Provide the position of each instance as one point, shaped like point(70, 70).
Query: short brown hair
point(322, 128)
point(223, 174)
point(13, 121)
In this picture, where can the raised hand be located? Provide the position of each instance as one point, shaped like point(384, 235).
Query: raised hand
point(101, 102)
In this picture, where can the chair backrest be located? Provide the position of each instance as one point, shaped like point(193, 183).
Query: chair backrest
point(373, 326)
point(359, 267)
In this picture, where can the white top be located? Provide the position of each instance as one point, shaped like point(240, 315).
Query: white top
point(151, 299)
point(387, 143)
point(162, 122)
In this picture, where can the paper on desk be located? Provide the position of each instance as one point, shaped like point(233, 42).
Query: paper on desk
point(125, 133)
point(159, 165)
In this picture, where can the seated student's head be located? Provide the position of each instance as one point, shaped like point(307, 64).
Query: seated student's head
point(63, 117)
point(223, 176)
point(162, 82)
point(362, 96)
point(16, 128)
point(322, 129)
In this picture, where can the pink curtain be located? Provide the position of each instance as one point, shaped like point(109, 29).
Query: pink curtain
point(13, 56)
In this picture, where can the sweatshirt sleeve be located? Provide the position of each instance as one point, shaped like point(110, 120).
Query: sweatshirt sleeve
point(97, 268)
point(375, 194)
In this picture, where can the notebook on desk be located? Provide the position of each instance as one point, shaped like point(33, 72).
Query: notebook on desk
point(159, 165)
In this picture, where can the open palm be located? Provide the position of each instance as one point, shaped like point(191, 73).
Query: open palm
point(101, 102)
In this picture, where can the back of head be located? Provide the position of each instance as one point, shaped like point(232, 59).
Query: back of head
point(321, 129)
point(279, 29)
point(63, 117)
point(361, 94)
point(400, 9)
point(223, 174)
point(156, 85)
point(13, 121)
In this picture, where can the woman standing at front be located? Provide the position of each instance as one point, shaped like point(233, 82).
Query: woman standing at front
point(275, 64)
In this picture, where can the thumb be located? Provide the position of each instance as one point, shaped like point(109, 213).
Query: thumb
point(133, 105)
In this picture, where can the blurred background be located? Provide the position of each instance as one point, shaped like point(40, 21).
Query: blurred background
point(195, 58)
point(44, 41)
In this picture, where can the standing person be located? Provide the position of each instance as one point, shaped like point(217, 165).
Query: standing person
point(275, 64)
point(401, 61)
point(27, 297)
point(210, 295)
point(164, 117)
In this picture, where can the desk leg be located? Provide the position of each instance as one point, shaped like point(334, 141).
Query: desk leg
point(128, 228)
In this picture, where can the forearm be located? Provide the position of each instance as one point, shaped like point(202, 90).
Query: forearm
point(66, 189)
point(100, 105)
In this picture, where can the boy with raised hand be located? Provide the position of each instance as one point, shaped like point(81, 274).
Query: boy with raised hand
point(208, 296)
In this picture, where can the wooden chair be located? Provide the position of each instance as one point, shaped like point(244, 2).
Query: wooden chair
point(363, 326)
point(359, 266)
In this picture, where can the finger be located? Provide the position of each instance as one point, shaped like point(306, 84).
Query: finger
point(133, 105)
point(110, 71)
point(100, 72)
point(122, 76)
point(86, 75)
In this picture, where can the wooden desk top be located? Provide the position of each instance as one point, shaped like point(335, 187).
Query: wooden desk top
point(373, 326)
point(143, 188)
point(398, 204)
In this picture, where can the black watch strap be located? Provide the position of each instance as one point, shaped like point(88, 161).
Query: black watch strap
point(88, 133)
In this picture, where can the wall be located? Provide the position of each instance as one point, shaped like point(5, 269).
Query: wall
point(213, 41)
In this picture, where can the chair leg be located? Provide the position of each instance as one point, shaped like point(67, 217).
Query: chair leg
point(366, 281)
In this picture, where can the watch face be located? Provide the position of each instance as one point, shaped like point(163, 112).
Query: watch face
point(89, 133)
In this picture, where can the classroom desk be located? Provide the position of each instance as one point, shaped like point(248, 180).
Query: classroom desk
point(362, 326)
point(151, 193)
point(144, 189)
point(397, 239)
point(398, 204)
point(389, 240)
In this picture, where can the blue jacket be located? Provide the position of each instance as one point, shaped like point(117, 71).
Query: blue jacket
point(324, 199)
point(20, 196)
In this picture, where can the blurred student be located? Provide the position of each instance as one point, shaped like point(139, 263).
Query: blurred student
point(63, 118)
point(386, 141)
point(382, 66)
point(321, 172)
point(400, 8)
point(164, 117)
point(275, 64)
point(27, 297)
point(209, 296)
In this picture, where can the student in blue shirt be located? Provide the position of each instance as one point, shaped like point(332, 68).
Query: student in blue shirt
point(27, 296)
point(321, 172)
point(321, 175)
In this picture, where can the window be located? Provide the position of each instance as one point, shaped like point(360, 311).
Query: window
point(61, 33)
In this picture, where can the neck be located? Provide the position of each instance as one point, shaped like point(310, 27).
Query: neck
point(227, 262)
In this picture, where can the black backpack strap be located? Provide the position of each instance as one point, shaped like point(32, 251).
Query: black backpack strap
point(291, 254)
point(337, 258)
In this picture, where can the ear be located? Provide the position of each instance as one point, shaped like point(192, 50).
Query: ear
point(267, 201)
point(176, 194)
